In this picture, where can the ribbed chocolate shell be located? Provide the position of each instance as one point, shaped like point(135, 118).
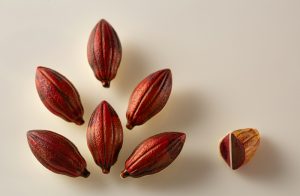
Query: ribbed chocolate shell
point(154, 154)
point(104, 52)
point(59, 95)
point(239, 146)
point(57, 153)
point(105, 136)
point(149, 97)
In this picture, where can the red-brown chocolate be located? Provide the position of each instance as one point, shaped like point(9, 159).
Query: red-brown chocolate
point(104, 52)
point(105, 136)
point(59, 95)
point(149, 97)
point(154, 154)
point(57, 153)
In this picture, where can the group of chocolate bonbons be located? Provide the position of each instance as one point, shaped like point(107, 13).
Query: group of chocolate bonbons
point(105, 133)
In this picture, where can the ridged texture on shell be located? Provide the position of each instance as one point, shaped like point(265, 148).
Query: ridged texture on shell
point(104, 52)
point(238, 147)
point(154, 154)
point(149, 97)
point(57, 153)
point(105, 136)
point(59, 95)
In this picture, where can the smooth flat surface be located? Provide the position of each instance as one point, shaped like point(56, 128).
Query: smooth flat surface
point(235, 64)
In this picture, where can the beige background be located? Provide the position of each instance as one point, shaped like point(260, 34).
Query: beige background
point(235, 64)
